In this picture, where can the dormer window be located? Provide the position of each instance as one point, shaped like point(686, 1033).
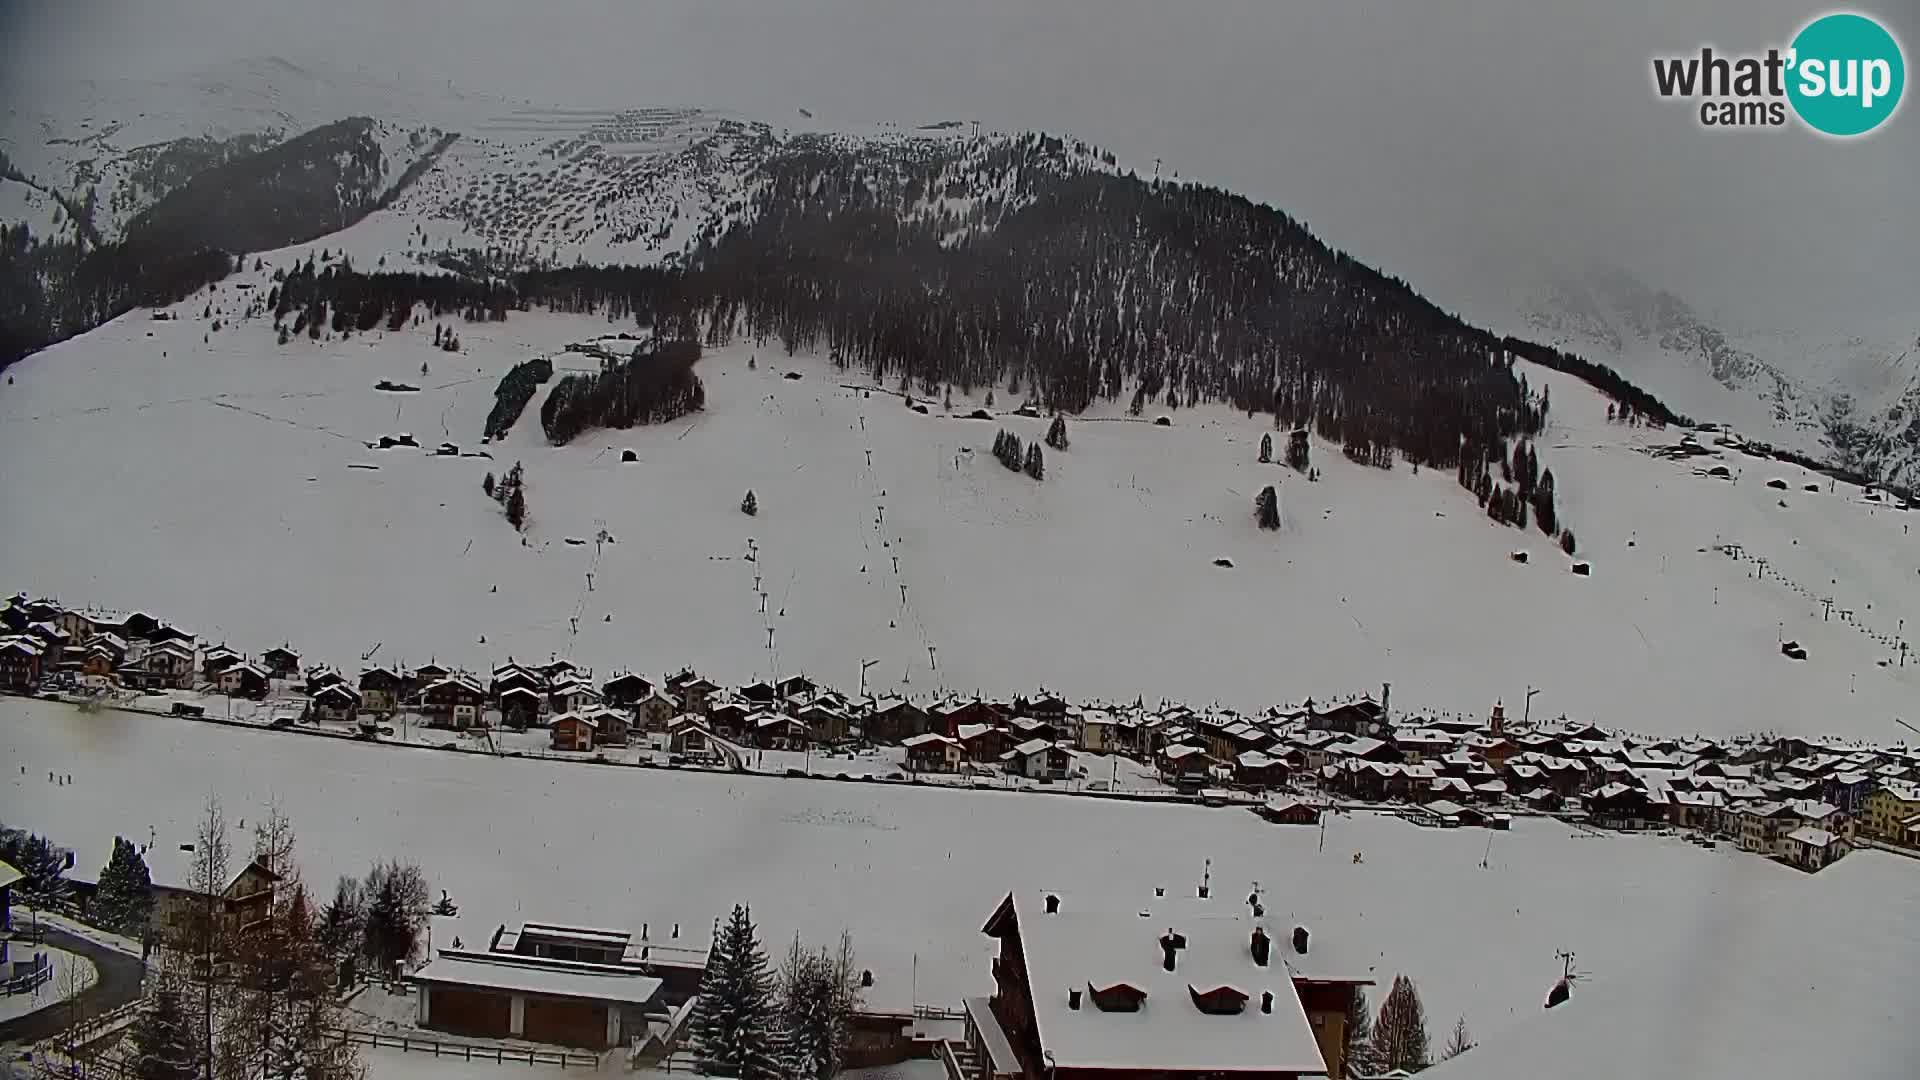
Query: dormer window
point(1119, 997)
point(1219, 1001)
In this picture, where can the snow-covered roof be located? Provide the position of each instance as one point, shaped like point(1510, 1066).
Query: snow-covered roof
point(552, 979)
point(1903, 790)
point(923, 740)
point(1811, 836)
point(1074, 951)
point(1812, 809)
point(1181, 752)
point(1031, 747)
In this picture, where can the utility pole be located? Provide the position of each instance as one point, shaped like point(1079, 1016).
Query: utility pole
point(1526, 712)
point(864, 665)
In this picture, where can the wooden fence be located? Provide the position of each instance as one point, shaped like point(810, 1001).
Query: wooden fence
point(499, 1055)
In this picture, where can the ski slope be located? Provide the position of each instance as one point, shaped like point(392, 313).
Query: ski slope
point(226, 481)
point(913, 873)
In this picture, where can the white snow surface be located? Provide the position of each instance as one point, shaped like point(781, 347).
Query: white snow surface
point(65, 966)
point(1816, 983)
point(213, 482)
point(914, 873)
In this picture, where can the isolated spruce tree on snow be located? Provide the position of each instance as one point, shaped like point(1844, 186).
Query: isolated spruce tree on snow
point(749, 505)
point(1566, 541)
point(124, 898)
point(1266, 508)
point(989, 399)
point(1460, 1042)
point(163, 1038)
point(1400, 1031)
point(486, 485)
point(736, 1023)
point(1266, 448)
point(1057, 432)
point(517, 508)
point(1297, 450)
point(1036, 466)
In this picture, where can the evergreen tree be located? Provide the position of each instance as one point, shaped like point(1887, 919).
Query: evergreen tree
point(1266, 448)
point(1544, 512)
point(1566, 541)
point(989, 399)
point(445, 907)
point(749, 505)
point(162, 1038)
point(1460, 1043)
point(341, 929)
point(42, 866)
point(1297, 450)
point(1036, 467)
point(486, 485)
point(123, 900)
point(1360, 1035)
point(1266, 508)
point(1400, 1031)
point(736, 1023)
point(1057, 432)
point(395, 895)
point(517, 507)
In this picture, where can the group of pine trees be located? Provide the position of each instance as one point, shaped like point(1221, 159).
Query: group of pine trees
point(749, 1024)
point(1397, 1037)
point(1021, 457)
point(516, 388)
point(510, 491)
point(263, 1004)
point(653, 386)
point(1532, 493)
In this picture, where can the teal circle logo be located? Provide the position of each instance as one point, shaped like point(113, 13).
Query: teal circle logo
point(1846, 75)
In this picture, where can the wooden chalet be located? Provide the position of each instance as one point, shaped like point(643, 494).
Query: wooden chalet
point(281, 662)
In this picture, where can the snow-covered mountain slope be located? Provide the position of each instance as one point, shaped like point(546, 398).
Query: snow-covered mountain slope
point(123, 145)
point(1848, 398)
point(226, 481)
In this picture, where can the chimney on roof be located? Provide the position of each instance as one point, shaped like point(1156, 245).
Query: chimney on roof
point(1159, 890)
point(1386, 695)
point(643, 931)
point(866, 977)
point(1053, 904)
point(1073, 999)
point(1266, 1001)
point(1262, 946)
point(1300, 940)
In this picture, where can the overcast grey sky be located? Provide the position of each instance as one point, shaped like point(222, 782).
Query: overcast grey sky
point(1458, 143)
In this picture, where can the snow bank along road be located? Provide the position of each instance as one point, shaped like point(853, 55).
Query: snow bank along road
point(913, 873)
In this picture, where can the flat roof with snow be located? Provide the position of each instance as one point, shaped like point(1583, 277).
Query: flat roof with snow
point(478, 972)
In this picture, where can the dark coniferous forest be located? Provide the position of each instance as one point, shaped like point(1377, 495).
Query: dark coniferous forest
point(1017, 264)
